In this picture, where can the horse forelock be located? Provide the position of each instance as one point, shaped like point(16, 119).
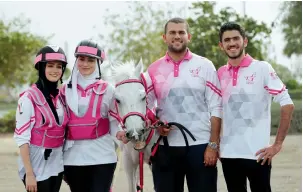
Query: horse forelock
point(121, 71)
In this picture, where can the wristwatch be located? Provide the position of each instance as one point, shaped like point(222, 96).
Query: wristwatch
point(213, 145)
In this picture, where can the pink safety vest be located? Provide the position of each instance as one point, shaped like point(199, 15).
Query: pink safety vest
point(91, 125)
point(46, 132)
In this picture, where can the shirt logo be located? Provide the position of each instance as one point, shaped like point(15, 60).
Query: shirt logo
point(273, 75)
point(195, 72)
point(250, 79)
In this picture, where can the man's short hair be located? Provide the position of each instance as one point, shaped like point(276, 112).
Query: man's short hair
point(176, 20)
point(231, 26)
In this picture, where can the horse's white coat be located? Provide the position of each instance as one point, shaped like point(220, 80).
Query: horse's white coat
point(132, 98)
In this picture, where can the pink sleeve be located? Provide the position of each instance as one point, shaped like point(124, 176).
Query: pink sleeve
point(150, 95)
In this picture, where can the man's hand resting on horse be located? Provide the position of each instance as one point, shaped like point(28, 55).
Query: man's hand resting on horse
point(121, 136)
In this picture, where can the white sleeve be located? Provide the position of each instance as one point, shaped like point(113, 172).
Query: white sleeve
point(213, 91)
point(275, 87)
point(25, 120)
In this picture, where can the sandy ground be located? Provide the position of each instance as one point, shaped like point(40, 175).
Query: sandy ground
point(286, 173)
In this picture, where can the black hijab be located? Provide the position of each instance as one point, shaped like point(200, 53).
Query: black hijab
point(48, 88)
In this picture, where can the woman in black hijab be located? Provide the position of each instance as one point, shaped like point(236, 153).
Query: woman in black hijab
point(41, 119)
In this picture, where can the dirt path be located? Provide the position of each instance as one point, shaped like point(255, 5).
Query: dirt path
point(286, 173)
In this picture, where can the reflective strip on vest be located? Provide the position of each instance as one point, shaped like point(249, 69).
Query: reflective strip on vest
point(96, 100)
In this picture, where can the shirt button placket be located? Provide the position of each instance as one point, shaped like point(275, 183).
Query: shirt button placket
point(176, 72)
point(235, 77)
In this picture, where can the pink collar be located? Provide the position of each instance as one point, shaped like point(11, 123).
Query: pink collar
point(246, 61)
point(187, 56)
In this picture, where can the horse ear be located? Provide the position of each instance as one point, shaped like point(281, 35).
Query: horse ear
point(139, 68)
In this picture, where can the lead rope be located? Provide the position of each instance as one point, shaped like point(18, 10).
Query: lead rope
point(141, 163)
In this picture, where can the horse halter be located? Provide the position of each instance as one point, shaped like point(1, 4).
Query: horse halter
point(123, 119)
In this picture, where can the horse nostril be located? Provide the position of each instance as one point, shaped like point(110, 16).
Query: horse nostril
point(127, 134)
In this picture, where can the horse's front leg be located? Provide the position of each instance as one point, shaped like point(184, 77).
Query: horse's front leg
point(130, 166)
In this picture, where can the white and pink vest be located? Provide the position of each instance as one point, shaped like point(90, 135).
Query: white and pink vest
point(92, 125)
point(46, 132)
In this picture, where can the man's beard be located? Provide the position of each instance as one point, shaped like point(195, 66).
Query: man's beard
point(174, 50)
point(237, 56)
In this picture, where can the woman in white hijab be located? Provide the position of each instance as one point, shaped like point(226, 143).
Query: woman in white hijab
point(89, 154)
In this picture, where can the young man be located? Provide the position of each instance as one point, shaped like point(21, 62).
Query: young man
point(248, 86)
point(185, 87)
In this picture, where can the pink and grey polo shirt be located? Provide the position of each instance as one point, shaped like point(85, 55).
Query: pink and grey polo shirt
point(187, 92)
point(247, 93)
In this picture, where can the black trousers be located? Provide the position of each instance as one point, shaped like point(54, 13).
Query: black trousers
point(91, 178)
point(171, 165)
point(52, 184)
point(237, 171)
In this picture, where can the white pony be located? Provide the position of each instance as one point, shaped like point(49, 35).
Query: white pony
point(130, 96)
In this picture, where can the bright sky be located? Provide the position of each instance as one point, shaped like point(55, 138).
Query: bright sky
point(71, 22)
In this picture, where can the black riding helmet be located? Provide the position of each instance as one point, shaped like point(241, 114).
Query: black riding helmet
point(50, 53)
point(91, 49)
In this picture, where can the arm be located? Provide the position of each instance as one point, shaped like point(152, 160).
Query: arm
point(151, 98)
point(25, 120)
point(214, 101)
point(285, 119)
point(24, 152)
point(275, 87)
point(215, 129)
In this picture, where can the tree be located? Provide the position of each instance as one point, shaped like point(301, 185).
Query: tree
point(292, 27)
point(67, 73)
point(17, 52)
point(138, 33)
point(205, 26)
point(297, 68)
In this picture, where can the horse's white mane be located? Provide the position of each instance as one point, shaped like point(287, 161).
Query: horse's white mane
point(114, 72)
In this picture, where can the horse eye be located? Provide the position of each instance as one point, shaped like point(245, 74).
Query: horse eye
point(118, 101)
point(143, 98)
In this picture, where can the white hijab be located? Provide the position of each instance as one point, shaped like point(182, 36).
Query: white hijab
point(71, 94)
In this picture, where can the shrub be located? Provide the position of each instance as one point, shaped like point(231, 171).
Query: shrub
point(295, 94)
point(8, 122)
point(292, 84)
point(296, 123)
